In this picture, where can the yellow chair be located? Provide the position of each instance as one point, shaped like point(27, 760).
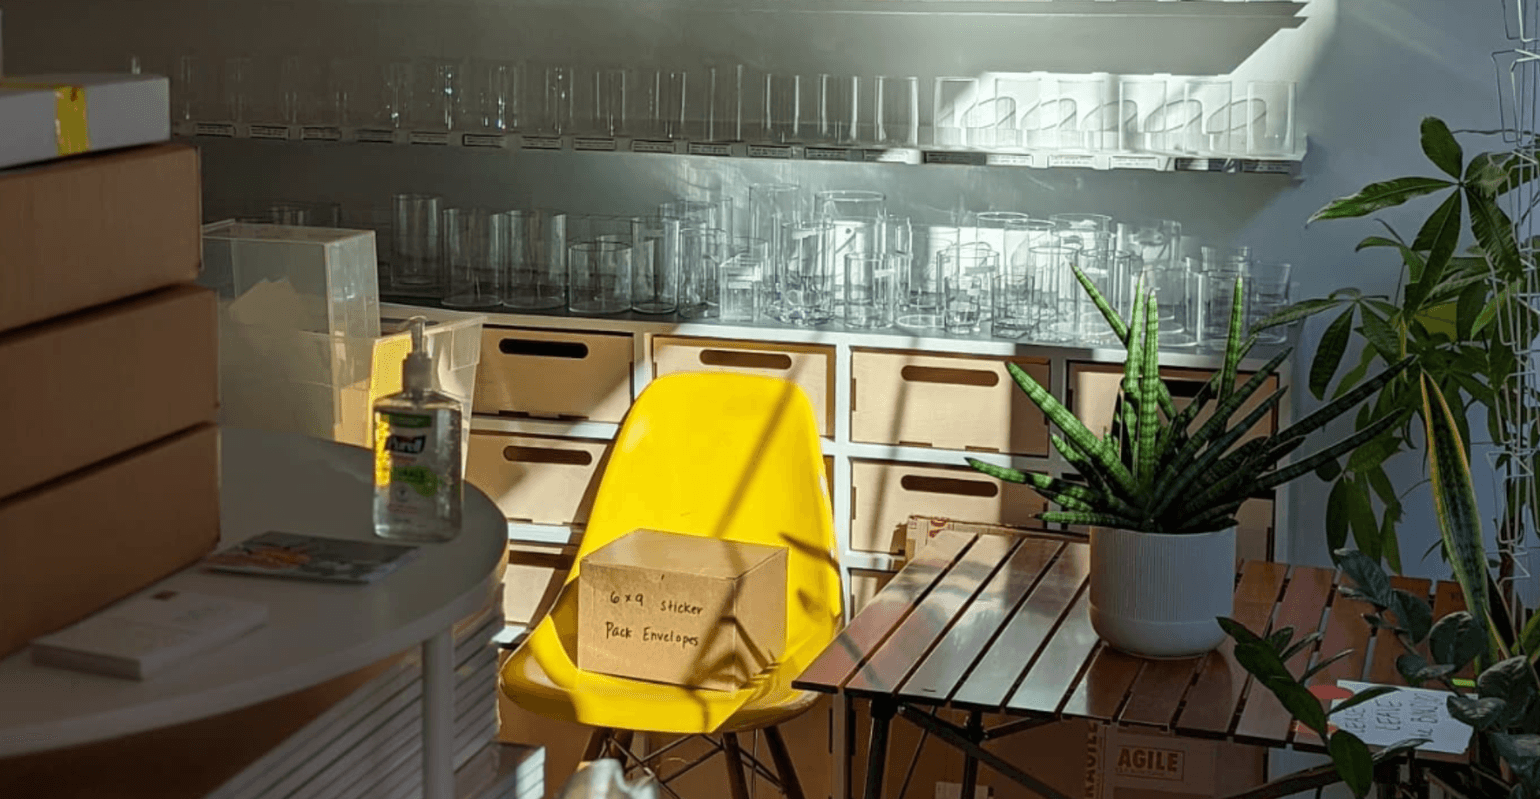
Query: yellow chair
point(728, 456)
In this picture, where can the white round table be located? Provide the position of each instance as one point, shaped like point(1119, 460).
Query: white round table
point(315, 631)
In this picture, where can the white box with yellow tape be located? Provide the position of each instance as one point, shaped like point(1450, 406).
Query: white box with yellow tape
point(43, 117)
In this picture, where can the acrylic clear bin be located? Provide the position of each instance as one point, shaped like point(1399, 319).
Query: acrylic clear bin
point(274, 377)
point(319, 280)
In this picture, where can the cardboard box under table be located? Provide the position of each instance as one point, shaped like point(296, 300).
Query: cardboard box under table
point(681, 609)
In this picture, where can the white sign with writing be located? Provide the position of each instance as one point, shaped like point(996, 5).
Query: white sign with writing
point(1402, 714)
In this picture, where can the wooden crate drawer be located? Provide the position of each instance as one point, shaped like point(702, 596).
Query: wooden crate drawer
point(809, 366)
point(885, 494)
point(949, 402)
point(864, 586)
point(537, 479)
point(1093, 395)
point(1254, 530)
point(554, 374)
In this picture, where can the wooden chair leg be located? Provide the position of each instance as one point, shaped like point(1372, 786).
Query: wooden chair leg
point(790, 785)
point(598, 742)
point(739, 787)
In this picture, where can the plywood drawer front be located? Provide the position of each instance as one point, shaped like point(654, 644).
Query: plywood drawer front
point(554, 374)
point(1093, 394)
point(885, 494)
point(949, 402)
point(809, 366)
point(537, 479)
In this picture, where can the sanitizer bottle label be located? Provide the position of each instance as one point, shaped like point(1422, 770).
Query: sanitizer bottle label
point(405, 463)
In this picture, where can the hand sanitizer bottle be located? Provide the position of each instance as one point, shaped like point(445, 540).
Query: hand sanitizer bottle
point(417, 487)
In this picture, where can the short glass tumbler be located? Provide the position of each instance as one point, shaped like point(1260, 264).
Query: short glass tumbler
point(599, 277)
point(538, 256)
point(1267, 294)
point(970, 272)
point(806, 292)
point(738, 287)
point(654, 265)
point(869, 291)
point(701, 253)
point(415, 267)
point(475, 253)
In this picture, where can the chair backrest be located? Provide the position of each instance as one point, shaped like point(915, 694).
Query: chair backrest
point(734, 457)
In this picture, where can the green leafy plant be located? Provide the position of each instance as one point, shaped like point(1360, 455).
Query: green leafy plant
point(1506, 707)
point(1158, 470)
point(1266, 659)
point(1456, 313)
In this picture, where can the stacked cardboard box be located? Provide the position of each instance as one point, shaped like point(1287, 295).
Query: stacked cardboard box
point(110, 356)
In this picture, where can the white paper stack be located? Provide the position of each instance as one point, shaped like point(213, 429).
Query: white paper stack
point(144, 635)
point(370, 744)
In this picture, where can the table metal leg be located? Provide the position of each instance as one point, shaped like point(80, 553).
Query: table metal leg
point(438, 716)
point(970, 778)
point(845, 741)
point(877, 751)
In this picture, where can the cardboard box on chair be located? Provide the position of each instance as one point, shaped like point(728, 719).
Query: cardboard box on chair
point(682, 609)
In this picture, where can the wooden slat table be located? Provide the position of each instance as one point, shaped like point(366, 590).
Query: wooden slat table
point(1000, 624)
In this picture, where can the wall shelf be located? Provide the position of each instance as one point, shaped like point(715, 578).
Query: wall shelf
point(1196, 37)
point(905, 156)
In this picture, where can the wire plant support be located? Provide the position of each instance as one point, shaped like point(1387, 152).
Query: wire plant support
point(1514, 453)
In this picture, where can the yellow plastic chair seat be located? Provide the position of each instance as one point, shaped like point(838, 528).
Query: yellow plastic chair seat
point(728, 456)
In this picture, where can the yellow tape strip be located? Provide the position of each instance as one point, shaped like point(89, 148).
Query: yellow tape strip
point(70, 128)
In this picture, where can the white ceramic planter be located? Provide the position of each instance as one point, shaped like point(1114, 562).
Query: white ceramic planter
point(1158, 595)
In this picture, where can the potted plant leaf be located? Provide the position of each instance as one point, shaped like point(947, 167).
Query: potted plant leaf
point(1161, 488)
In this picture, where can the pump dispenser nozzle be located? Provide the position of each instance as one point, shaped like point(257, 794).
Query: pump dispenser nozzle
point(417, 369)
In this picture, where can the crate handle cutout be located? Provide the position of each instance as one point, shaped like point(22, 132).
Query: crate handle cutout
point(565, 457)
point(576, 350)
point(741, 359)
point(1185, 389)
point(948, 485)
point(951, 376)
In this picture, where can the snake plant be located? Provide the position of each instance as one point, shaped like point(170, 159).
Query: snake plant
point(1159, 469)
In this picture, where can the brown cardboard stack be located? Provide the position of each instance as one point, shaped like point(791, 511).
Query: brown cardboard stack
point(110, 356)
